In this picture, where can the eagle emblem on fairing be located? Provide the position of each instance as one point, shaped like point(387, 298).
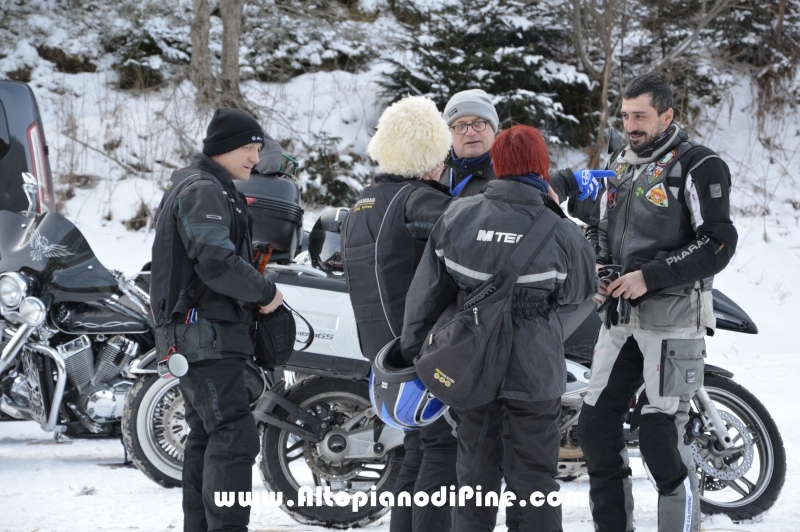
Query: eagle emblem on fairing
point(42, 249)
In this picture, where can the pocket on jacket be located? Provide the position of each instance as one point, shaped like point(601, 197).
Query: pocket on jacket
point(667, 312)
point(682, 367)
point(232, 337)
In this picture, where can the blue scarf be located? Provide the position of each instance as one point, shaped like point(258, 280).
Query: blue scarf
point(468, 164)
point(532, 180)
point(464, 164)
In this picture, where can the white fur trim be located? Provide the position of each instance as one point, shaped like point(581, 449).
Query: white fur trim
point(412, 138)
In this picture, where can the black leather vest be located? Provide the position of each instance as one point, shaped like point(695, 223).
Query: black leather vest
point(175, 286)
point(643, 209)
point(380, 258)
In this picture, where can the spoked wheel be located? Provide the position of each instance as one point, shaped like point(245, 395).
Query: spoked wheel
point(289, 463)
point(744, 480)
point(154, 427)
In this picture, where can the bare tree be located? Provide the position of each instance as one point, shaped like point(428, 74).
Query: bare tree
point(231, 14)
point(600, 25)
point(200, 70)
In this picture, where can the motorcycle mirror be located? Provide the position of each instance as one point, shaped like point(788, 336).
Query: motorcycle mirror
point(31, 187)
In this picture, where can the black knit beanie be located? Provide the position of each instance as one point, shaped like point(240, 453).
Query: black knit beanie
point(230, 129)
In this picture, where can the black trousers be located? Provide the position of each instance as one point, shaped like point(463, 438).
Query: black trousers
point(530, 463)
point(221, 446)
point(429, 464)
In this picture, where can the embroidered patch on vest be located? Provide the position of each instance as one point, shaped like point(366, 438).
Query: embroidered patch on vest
point(620, 170)
point(639, 191)
point(658, 196)
point(612, 198)
point(653, 172)
point(666, 159)
point(715, 189)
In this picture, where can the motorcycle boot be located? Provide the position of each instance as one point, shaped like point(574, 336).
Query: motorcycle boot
point(671, 463)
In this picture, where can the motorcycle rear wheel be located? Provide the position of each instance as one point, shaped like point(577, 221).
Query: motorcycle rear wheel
point(748, 497)
point(288, 463)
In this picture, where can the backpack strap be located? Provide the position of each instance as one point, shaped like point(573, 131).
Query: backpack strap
point(526, 250)
point(534, 240)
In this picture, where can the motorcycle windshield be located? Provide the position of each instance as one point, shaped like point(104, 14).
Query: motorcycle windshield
point(50, 248)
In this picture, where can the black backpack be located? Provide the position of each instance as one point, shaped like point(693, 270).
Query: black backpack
point(464, 359)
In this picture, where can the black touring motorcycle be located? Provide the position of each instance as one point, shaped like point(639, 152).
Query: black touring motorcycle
point(77, 356)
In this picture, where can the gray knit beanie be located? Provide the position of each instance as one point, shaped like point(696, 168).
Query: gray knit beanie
point(474, 102)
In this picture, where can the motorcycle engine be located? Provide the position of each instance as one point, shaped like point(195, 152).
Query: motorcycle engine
point(101, 389)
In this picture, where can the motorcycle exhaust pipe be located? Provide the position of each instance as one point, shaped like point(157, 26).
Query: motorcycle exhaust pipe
point(14, 345)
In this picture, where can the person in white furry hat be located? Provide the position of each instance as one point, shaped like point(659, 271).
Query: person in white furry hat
point(382, 242)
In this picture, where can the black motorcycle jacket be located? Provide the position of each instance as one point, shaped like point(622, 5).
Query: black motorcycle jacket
point(479, 176)
point(667, 215)
point(471, 239)
point(203, 282)
point(382, 242)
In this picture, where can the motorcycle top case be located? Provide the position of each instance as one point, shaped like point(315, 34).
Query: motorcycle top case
point(274, 203)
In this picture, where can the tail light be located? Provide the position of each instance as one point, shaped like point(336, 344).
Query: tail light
point(39, 167)
point(250, 200)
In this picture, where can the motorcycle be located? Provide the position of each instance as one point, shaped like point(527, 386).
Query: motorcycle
point(317, 428)
point(70, 328)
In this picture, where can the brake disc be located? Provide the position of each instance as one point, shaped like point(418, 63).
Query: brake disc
point(714, 462)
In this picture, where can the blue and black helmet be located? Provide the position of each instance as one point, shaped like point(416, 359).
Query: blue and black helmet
point(396, 393)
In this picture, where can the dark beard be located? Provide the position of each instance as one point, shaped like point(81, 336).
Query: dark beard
point(647, 149)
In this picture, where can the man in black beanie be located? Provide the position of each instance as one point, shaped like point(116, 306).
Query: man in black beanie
point(203, 290)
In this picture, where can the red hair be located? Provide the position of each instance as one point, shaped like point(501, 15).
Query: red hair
point(520, 151)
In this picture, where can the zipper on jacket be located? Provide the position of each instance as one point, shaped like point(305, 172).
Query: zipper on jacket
point(627, 212)
point(475, 315)
point(699, 299)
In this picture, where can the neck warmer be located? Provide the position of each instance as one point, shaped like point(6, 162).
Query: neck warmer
point(532, 180)
point(468, 164)
point(654, 152)
point(657, 143)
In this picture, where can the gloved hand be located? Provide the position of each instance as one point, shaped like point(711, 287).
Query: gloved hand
point(588, 182)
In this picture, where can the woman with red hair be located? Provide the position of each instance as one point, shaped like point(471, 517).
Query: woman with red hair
point(470, 240)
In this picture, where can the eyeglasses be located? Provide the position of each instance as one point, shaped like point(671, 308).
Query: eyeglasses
point(477, 126)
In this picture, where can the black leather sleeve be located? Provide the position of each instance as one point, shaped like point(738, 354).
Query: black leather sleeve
point(707, 194)
point(423, 208)
point(431, 290)
point(204, 222)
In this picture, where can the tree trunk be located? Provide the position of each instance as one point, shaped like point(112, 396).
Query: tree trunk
point(608, 48)
point(231, 14)
point(199, 69)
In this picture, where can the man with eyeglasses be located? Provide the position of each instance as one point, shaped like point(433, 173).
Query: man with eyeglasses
point(473, 124)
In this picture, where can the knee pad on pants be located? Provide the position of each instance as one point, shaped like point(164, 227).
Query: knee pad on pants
point(659, 441)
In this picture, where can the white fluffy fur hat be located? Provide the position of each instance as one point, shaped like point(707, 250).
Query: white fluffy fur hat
point(412, 138)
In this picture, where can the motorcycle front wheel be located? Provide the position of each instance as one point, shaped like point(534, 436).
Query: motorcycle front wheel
point(288, 463)
point(154, 429)
point(745, 480)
